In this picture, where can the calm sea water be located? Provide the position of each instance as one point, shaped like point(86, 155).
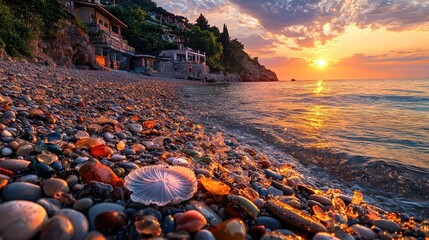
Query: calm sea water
point(371, 135)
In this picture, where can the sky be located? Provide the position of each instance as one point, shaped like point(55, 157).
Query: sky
point(324, 39)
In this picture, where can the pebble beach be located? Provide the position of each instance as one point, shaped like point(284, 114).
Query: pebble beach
point(112, 155)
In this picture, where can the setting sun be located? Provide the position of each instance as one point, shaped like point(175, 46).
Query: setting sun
point(321, 63)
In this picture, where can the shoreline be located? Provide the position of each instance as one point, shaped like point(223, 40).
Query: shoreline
point(75, 101)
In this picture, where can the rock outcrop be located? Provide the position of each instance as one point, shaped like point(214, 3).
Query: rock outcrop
point(69, 47)
point(253, 71)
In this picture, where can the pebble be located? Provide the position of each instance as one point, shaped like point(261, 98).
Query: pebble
point(268, 222)
point(148, 226)
point(21, 220)
point(324, 236)
point(94, 235)
point(190, 221)
point(51, 205)
point(14, 164)
point(135, 128)
point(6, 133)
point(6, 151)
point(100, 208)
point(118, 157)
point(387, 225)
point(22, 191)
point(230, 229)
point(110, 222)
point(57, 227)
point(364, 232)
point(52, 185)
point(83, 204)
point(79, 221)
point(273, 175)
point(204, 235)
point(9, 115)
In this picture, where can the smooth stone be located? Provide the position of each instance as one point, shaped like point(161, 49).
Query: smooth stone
point(121, 135)
point(204, 235)
point(108, 135)
point(52, 185)
point(80, 160)
point(22, 191)
point(274, 191)
point(6, 151)
point(30, 178)
point(190, 221)
point(9, 115)
point(206, 211)
point(72, 180)
point(233, 228)
point(57, 228)
point(178, 161)
point(129, 151)
point(273, 175)
point(118, 157)
point(135, 128)
point(284, 188)
point(21, 220)
point(148, 226)
point(295, 217)
point(83, 204)
point(100, 208)
point(324, 236)
point(321, 199)
point(120, 172)
point(79, 221)
point(128, 165)
point(94, 235)
point(148, 144)
point(202, 171)
point(364, 232)
point(168, 224)
point(387, 225)
point(51, 205)
point(110, 222)
point(268, 222)
point(14, 164)
point(6, 133)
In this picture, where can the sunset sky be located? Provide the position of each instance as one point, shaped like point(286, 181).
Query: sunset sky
point(324, 39)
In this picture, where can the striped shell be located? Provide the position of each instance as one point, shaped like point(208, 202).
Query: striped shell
point(161, 184)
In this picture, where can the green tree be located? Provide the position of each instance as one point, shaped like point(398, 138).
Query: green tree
point(202, 22)
point(206, 41)
point(225, 41)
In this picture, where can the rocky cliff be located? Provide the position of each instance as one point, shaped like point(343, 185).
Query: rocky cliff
point(68, 47)
point(253, 71)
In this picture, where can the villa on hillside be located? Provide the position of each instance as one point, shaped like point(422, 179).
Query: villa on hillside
point(183, 62)
point(111, 49)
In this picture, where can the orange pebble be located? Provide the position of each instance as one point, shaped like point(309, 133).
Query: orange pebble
point(101, 151)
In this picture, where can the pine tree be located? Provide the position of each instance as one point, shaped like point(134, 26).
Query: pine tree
point(225, 41)
point(202, 22)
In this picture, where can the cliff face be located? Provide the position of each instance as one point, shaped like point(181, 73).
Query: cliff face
point(69, 47)
point(253, 71)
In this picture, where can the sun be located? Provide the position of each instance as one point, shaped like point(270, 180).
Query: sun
point(321, 63)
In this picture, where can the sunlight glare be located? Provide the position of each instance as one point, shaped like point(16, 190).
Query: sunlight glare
point(321, 63)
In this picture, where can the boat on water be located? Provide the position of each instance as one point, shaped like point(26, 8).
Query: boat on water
point(293, 80)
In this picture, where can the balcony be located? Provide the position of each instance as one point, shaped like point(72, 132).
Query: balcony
point(105, 39)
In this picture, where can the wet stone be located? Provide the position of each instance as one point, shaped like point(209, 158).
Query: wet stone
point(83, 204)
point(168, 224)
point(387, 225)
point(6, 151)
point(14, 164)
point(79, 221)
point(148, 226)
point(324, 236)
point(190, 221)
point(51, 186)
point(110, 222)
point(268, 222)
point(273, 175)
point(51, 205)
point(274, 191)
point(22, 191)
point(21, 220)
point(57, 227)
point(100, 208)
point(230, 229)
point(364, 232)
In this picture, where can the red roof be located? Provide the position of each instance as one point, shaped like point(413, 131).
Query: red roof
point(100, 8)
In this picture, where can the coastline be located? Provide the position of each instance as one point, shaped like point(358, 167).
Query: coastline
point(71, 99)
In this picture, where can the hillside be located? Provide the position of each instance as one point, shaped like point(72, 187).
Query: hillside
point(43, 31)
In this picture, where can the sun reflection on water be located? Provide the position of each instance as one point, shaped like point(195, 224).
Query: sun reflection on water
point(319, 87)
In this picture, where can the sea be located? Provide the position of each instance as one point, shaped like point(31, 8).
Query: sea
point(367, 135)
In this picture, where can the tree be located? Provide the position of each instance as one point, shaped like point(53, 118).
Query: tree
point(202, 22)
point(206, 41)
point(225, 41)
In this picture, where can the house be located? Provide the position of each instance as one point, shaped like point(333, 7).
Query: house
point(111, 49)
point(183, 62)
point(143, 63)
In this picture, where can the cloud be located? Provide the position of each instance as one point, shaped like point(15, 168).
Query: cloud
point(323, 20)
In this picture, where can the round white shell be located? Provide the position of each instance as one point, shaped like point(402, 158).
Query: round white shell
point(161, 184)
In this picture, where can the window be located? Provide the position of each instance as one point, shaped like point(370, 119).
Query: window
point(115, 29)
